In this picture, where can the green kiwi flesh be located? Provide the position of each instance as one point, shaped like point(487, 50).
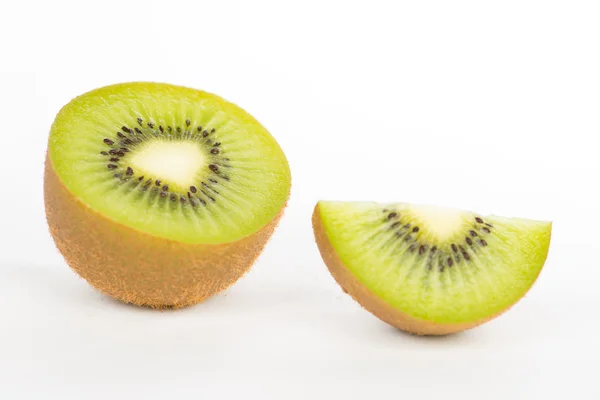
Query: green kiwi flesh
point(437, 265)
point(173, 162)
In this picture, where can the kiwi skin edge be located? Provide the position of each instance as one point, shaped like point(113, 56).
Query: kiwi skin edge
point(376, 306)
point(138, 268)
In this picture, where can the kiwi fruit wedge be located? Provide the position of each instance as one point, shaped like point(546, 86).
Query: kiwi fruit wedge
point(429, 270)
point(161, 195)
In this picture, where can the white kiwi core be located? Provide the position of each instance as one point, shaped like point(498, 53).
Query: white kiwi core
point(439, 221)
point(177, 162)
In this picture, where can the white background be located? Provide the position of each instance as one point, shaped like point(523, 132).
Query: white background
point(489, 106)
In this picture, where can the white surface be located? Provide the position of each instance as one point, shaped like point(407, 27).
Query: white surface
point(490, 107)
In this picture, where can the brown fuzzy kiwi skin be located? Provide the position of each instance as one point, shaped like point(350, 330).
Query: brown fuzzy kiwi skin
point(370, 302)
point(138, 268)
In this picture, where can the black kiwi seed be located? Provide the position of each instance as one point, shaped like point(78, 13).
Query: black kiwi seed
point(473, 233)
point(454, 248)
point(111, 166)
point(468, 240)
point(213, 168)
point(450, 262)
point(119, 134)
point(421, 250)
point(139, 120)
point(199, 129)
point(217, 144)
point(108, 142)
point(173, 197)
point(187, 122)
point(129, 171)
point(137, 130)
point(466, 255)
point(416, 229)
point(412, 247)
point(202, 201)
point(407, 226)
point(395, 224)
point(408, 238)
point(141, 178)
point(169, 129)
point(120, 154)
point(212, 130)
point(151, 125)
point(189, 195)
point(392, 215)
point(157, 182)
point(124, 150)
point(104, 153)
point(483, 242)
point(479, 220)
point(213, 180)
point(114, 159)
point(182, 200)
point(161, 129)
point(163, 194)
point(486, 230)
point(125, 129)
point(433, 249)
point(490, 225)
point(204, 134)
point(193, 189)
point(178, 130)
point(215, 151)
point(165, 188)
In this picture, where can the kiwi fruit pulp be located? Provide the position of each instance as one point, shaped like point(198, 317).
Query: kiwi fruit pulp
point(429, 270)
point(161, 195)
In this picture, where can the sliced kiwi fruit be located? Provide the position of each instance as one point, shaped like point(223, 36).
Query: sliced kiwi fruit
point(161, 195)
point(429, 270)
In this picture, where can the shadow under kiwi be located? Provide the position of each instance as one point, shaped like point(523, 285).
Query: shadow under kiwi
point(458, 337)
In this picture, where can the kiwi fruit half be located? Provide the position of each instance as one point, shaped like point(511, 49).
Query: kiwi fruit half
point(429, 270)
point(161, 195)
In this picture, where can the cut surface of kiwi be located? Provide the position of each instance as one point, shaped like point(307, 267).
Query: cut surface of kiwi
point(161, 195)
point(170, 161)
point(430, 270)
